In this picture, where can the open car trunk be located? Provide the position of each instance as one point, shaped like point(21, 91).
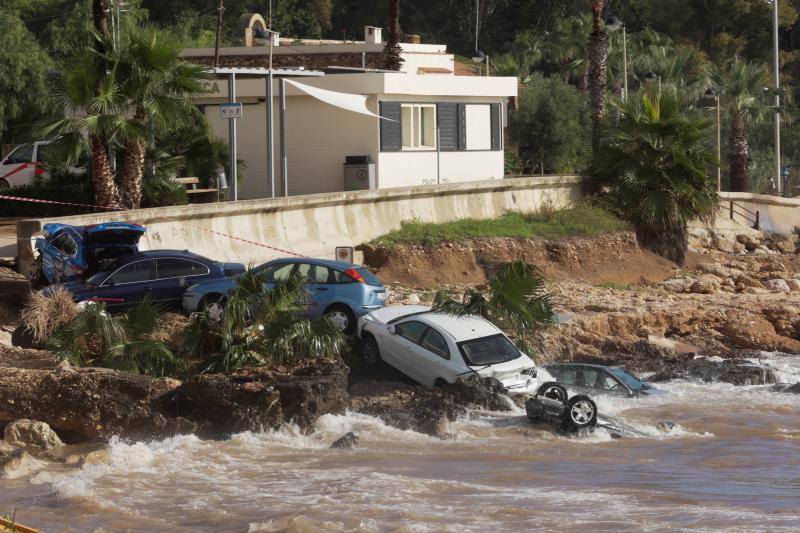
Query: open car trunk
point(103, 243)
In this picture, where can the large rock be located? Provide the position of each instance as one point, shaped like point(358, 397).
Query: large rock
point(95, 404)
point(257, 399)
point(749, 331)
point(427, 410)
point(32, 434)
point(706, 284)
point(777, 285)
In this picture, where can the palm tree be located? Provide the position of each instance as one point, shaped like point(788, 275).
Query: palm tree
point(261, 326)
point(657, 161)
point(157, 85)
point(565, 48)
point(515, 299)
point(598, 68)
point(739, 85)
point(93, 106)
point(391, 51)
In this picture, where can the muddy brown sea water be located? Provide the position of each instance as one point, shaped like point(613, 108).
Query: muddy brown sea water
point(732, 462)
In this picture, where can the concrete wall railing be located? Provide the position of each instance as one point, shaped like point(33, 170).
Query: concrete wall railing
point(776, 214)
point(314, 225)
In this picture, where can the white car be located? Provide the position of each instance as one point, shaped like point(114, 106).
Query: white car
point(436, 348)
point(20, 167)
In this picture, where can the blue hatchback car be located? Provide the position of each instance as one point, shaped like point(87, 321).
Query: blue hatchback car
point(68, 254)
point(161, 275)
point(343, 291)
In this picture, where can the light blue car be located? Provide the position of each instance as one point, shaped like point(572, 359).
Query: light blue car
point(343, 291)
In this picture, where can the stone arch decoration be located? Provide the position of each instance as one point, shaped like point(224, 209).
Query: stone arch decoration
point(250, 22)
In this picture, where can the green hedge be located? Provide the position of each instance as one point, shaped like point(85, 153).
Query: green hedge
point(78, 191)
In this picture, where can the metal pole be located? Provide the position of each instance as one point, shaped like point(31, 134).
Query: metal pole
point(282, 96)
point(232, 138)
point(777, 75)
point(625, 62)
point(438, 155)
point(719, 146)
point(270, 114)
point(477, 21)
point(487, 64)
point(219, 29)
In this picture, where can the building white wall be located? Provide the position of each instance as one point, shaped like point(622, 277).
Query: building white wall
point(318, 137)
point(406, 169)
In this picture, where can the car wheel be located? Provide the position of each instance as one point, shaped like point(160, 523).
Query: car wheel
point(4, 184)
point(370, 351)
point(553, 390)
point(213, 307)
point(343, 318)
point(581, 412)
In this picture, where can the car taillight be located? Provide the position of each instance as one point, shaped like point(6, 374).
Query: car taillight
point(353, 274)
point(77, 270)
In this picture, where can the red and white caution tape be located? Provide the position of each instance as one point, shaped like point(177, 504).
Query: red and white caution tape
point(53, 202)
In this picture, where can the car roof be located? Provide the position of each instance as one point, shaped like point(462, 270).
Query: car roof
point(157, 254)
point(461, 328)
point(330, 263)
point(586, 365)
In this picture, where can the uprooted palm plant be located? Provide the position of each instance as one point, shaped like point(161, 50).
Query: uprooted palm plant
point(515, 299)
point(261, 325)
point(95, 338)
point(44, 313)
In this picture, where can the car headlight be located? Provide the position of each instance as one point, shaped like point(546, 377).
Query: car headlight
point(530, 371)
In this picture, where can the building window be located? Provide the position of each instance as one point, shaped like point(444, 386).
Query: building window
point(479, 127)
point(418, 125)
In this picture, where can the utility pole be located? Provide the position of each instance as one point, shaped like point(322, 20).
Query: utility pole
point(220, 10)
point(777, 74)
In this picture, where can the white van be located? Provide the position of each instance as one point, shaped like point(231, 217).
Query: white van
point(21, 166)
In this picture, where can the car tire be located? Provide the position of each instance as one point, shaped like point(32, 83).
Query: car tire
point(343, 318)
point(370, 352)
point(553, 390)
point(213, 307)
point(581, 412)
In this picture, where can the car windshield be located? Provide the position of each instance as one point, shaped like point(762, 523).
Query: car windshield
point(488, 350)
point(630, 380)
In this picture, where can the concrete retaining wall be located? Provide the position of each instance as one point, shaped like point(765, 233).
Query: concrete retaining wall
point(314, 225)
point(776, 214)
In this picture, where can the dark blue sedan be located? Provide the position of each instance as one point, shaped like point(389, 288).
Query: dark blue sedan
point(161, 275)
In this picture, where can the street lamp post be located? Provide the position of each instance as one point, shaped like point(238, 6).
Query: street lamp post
point(614, 24)
point(711, 93)
point(777, 75)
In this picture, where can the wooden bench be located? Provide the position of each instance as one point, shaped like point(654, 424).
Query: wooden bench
point(191, 184)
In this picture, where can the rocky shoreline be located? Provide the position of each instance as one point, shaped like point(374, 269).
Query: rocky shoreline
point(706, 323)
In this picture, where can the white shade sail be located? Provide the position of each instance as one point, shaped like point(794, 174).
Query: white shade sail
point(357, 103)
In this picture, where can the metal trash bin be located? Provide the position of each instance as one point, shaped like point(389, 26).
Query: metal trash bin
point(359, 173)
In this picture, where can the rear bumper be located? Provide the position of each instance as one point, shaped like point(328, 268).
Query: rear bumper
point(362, 310)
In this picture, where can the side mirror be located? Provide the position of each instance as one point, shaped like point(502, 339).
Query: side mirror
point(109, 282)
point(391, 329)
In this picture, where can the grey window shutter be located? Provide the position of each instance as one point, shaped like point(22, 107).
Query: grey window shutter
point(462, 126)
point(497, 127)
point(391, 133)
point(447, 117)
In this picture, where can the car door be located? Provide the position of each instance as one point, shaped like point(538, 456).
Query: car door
point(400, 349)
point(434, 358)
point(585, 380)
point(127, 286)
point(17, 168)
point(172, 276)
point(320, 285)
